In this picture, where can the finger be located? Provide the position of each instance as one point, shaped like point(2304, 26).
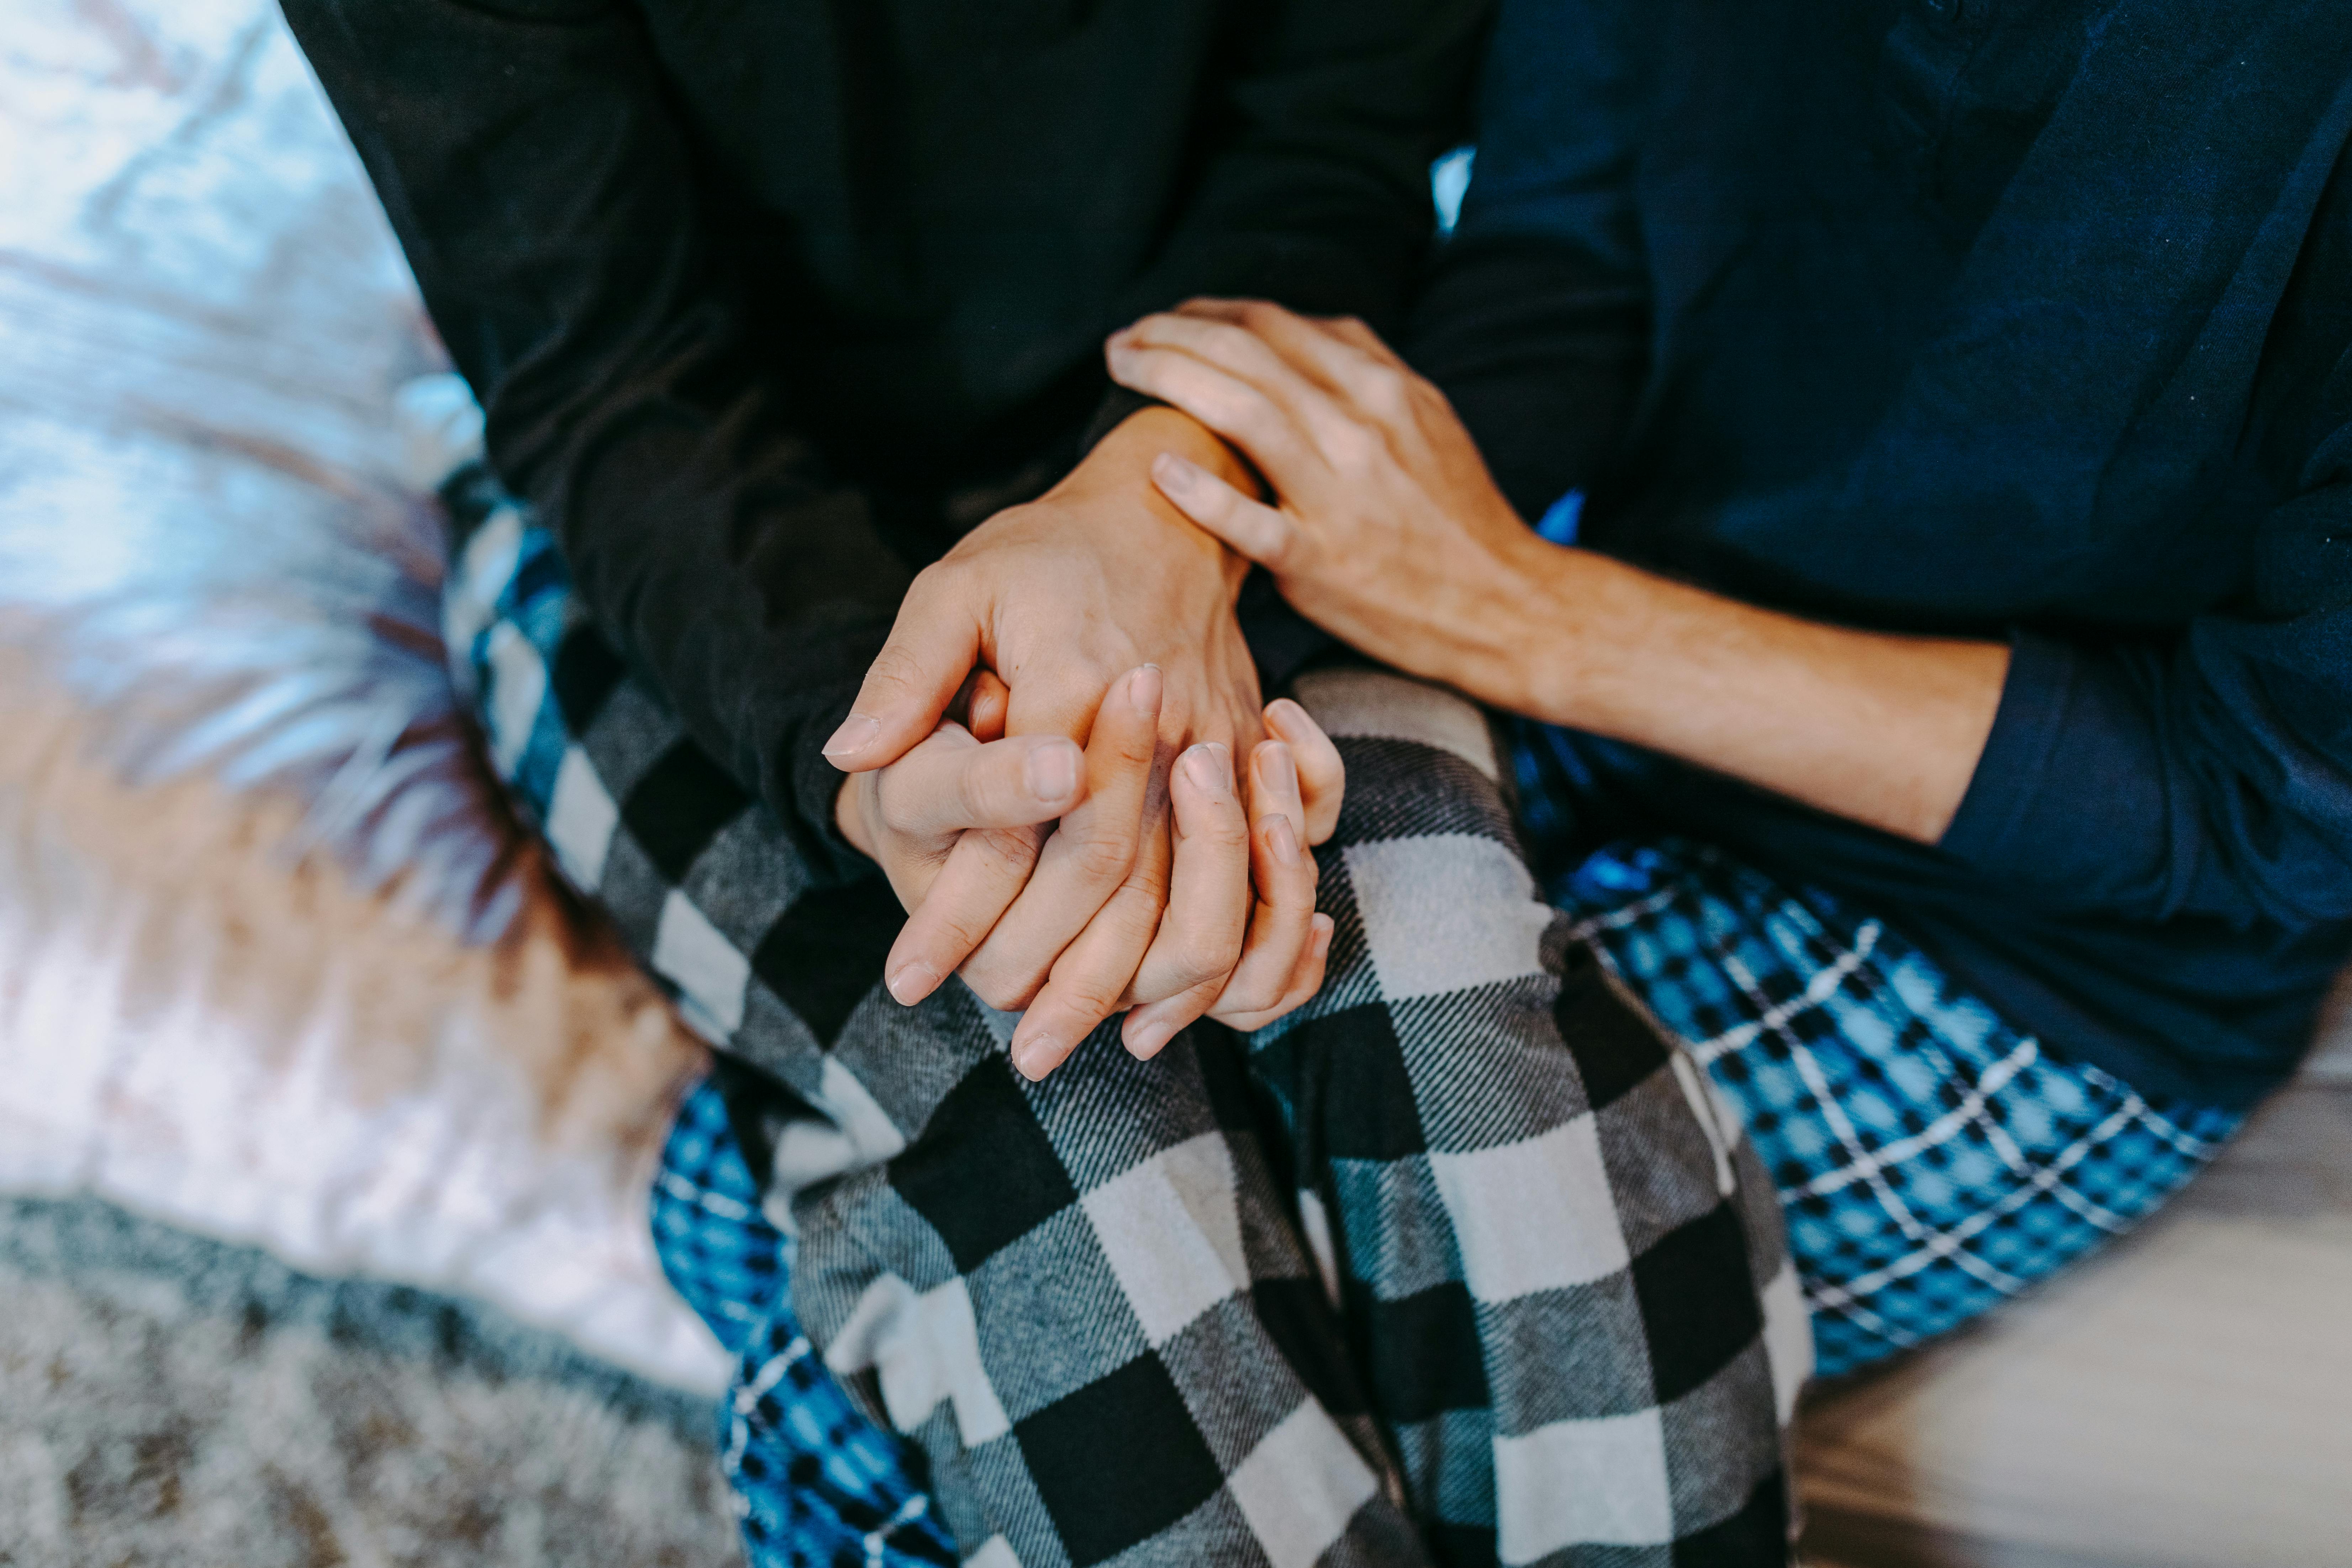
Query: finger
point(982, 876)
point(1200, 932)
point(992, 700)
point(1273, 787)
point(1089, 980)
point(1341, 355)
point(1253, 371)
point(932, 648)
point(935, 791)
point(1149, 1030)
point(1285, 874)
point(1322, 776)
point(1088, 858)
point(1250, 527)
point(1313, 966)
point(1272, 431)
point(1226, 333)
point(1350, 331)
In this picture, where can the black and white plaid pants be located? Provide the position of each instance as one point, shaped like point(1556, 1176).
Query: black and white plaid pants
point(1459, 1263)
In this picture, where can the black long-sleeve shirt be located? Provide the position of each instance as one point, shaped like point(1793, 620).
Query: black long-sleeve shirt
point(2028, 319)
point(748, 287)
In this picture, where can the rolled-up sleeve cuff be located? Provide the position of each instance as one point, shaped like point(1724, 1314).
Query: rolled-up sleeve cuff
point(2070, 791)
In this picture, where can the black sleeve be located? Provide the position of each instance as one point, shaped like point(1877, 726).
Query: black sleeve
point(544, 190)
point(1321, 121)
point(1535, 319)
point(543, 187)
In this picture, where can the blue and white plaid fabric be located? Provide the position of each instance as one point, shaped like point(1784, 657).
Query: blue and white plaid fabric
point(816, 1484)
point(1932, 1160)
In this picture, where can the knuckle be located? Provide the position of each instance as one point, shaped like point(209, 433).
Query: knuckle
point(962, 930)
point(1257, 408)
point(1088, 992)
point(1230, 337)
point(1354, 450)
point(1204, 957)
point(1228, 834)
point(1147, 882)
point(934, 584)
point(1386, 391)
point(976, 791)
point(893, 666)
point(1250, 999)
point(1230, 407)
point(1282, 551)
point(890, 800)
point(1010, 850)
point(1101, 858)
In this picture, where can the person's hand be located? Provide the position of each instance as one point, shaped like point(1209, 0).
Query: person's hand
point(1389, 531)
point(1281, 962)
point(964, 803)
point(1056, 597)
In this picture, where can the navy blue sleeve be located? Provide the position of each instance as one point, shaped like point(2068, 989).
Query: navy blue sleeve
point(1535, 319)
point(2207, 774)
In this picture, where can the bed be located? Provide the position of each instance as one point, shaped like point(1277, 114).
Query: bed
point(277, 968)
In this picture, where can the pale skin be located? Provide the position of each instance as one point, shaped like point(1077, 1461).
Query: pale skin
point(1042, 761)
point(1386, 528)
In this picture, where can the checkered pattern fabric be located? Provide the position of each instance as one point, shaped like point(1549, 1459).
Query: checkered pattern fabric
point(818, 1484)
point(1459, 1263)
point(1933, 1160)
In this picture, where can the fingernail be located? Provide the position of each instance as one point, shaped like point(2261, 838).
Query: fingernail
point(911, 982)
point(1206, 768)
point(1035, 1057)
point(1284, 717)
point(1143, 690)
point(1052, 773)
point(1279, 771)
point(857, 733)
point(1173, 473)
point(1144, 1040)
point(1282, 841)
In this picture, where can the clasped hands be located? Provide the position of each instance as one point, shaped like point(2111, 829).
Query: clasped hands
point(1042, 761)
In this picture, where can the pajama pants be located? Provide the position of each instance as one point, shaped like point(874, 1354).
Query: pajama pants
point(1468, 1260)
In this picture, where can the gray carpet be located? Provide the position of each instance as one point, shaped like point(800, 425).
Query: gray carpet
point(168, 1400)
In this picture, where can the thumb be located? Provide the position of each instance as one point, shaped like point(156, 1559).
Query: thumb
point(909, 688)
point(1250, 526)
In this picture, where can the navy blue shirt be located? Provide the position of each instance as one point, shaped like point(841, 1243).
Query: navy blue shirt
point(2021, 319)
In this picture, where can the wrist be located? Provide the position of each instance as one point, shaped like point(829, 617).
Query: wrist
point(1588, 671)
point(1523, 645)
point(1118, 470)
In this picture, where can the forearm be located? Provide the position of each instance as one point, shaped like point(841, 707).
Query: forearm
point(1884, 729)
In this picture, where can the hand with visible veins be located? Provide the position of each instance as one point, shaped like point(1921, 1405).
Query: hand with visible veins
point(1069, 882)
point(1385, 528)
